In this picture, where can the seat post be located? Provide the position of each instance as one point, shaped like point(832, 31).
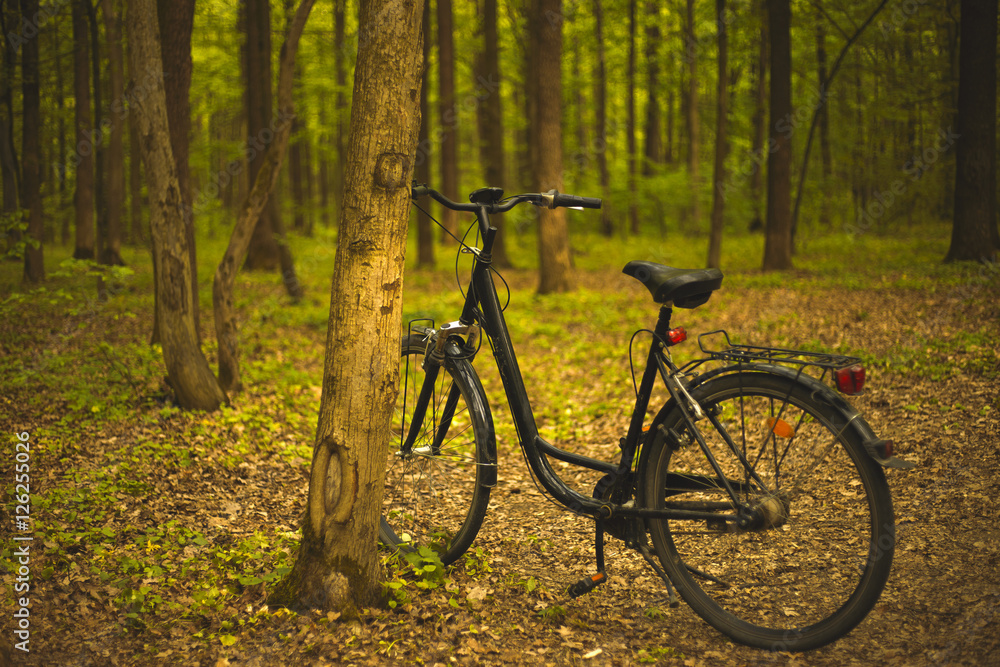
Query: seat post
point(663, 322)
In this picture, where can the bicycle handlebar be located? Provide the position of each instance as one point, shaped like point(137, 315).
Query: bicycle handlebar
point(550, 199)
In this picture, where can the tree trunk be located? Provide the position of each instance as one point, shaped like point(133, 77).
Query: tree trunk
point(97, 136)
point(115, 184)
point(693, 121)
point(490, 111)
point(263, 253)
point(137, 223)
point(337, 564)
point(721, 133)
point(31, 198)
point(297, 177)
point(974, 230)
point(340, 54)
point(448, 114)
point(8, 155)
point(239, 242)
point(187, 368)
point(83, 155)
point(759, 119)
point(600, 118)
point(824, 123)
point(778, 232)
point(553, 236)
point(654, 145)
point(633, 194)
point(422, 169)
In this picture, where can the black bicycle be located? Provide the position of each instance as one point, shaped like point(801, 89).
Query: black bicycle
point(757, 491)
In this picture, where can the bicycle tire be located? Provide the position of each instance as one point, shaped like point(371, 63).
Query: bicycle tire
point(438, 496)
point(818, 562)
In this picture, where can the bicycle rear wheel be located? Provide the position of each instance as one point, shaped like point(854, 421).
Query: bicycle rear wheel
point(817, 553)
point(437, 486)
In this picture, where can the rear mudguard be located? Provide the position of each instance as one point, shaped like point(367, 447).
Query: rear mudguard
point(851, 418)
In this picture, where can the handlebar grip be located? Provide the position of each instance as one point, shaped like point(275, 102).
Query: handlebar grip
point(572, 201)
point(419, 190)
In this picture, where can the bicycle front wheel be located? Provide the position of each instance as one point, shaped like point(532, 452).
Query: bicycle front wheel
point(816, 544)
point(441, 466)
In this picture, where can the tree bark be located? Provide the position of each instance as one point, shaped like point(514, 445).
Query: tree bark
point(778, 231)
point(974, 229)
point(31, 198)
point(187, 368)
point(83, 154)
point(337, 564)
point(115, 183)
point(553, 235)
point(448, 115)
point(239, 243)
point(721, 138)
point(600, 117)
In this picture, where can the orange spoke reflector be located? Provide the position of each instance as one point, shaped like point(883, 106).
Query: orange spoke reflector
point(780, 427)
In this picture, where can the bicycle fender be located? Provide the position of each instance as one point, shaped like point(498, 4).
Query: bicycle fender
point(486, 450)
point(849, 416)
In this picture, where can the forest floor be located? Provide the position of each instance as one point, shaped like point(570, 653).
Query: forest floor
point(158, 533)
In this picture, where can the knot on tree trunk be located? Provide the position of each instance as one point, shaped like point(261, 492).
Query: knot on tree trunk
point(391, 170)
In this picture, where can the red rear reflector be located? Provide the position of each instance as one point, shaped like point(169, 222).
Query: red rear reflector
point(850, 380)
point(678, 335)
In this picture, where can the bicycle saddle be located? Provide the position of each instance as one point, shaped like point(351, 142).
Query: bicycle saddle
point(685, 288)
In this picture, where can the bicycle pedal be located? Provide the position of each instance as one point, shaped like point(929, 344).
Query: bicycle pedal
point(587, 584)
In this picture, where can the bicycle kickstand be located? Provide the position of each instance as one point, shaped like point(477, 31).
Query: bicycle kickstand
point(591, 582)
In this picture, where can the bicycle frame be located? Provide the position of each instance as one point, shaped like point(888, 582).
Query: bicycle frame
point(482, 300)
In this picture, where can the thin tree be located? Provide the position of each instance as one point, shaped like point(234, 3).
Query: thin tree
point(447, 114)
point(337, 564)
point(633, 204)
point(974, 229)
point(263, 253)
point(83, 156)
point(693, 118)
point(653, 148)
point(31, 198)
point(253, 207)
point(490, 115)
point(759, 120)
point(8, 152)
point(721, 139)
point(422, 168)
point(821, 107)
point(600, 116)
point(778, 228)
point(115, 182)
point(187, 369)
point(553, 235)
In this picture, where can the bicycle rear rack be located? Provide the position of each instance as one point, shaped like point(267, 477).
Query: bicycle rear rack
point(775, 355)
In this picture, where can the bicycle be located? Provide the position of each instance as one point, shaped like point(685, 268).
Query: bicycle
point(758, 489)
